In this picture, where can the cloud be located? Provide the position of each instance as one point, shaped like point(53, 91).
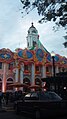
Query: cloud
point(13, 28)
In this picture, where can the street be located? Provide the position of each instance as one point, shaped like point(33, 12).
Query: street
point(12, 115)
point(9, 113)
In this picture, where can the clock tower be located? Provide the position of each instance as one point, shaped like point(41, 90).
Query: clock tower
point(32, 38)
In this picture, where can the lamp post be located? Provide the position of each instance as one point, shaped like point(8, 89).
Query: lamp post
point(53, 64)
point(53, 56)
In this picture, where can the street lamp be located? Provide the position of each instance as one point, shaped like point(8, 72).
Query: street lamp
point(53, 57)
point(53, 63)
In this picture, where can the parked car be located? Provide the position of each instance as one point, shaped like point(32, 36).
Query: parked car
point(41, 104)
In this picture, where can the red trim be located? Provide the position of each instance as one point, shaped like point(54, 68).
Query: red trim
point(48, 64)
point(37, 72)
point(26, 71)
point(48, 73)
point(26, 63)
point(39, 63)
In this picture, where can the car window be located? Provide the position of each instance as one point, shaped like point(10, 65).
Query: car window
point(49, 96)
point(54, 96)
point(28, 95)
point(44, 96)
point(34, 95)
point(41, 95)
point(31, 96)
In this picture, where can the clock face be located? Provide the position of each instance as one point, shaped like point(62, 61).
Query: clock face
point(39, 54)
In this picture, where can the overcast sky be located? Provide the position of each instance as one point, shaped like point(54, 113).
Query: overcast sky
point(13, 29)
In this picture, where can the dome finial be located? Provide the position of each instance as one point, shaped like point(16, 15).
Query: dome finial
point(32, 23)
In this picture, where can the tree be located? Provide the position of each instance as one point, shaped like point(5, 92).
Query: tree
point(55, 10)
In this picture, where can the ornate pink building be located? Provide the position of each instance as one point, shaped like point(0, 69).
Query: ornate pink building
point(28, 65)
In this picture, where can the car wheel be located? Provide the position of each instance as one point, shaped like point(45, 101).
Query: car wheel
point(37, 114)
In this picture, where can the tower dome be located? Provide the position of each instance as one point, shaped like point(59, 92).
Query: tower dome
point(32, 30)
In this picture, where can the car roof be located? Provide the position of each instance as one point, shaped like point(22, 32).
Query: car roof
point(44, 95)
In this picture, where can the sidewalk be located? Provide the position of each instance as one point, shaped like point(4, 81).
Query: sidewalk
point(2, 109)
point(8, 107)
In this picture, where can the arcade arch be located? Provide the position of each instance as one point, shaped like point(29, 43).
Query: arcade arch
point(26, 81)
point(38, 81)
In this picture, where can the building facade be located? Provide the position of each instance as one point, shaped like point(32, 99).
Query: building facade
point(28, 65)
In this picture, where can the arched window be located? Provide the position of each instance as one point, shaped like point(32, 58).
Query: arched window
point(10, 79)
point(26, 81)
point(37, 81)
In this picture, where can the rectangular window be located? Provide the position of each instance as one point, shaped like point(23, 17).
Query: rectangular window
point(10, 66)
point(47, 69)
point(28, 44)
point(34, 43)
point(0, 65)
point(37, 68)
point(25, 67)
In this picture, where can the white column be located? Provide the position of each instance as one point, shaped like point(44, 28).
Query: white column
point(43, 71)
point(33, 74)
point(21, 75)
point(16, 71)
point(21, 72)
point(4, 79)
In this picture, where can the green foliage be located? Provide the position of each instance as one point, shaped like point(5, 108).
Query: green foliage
point(55, 10)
